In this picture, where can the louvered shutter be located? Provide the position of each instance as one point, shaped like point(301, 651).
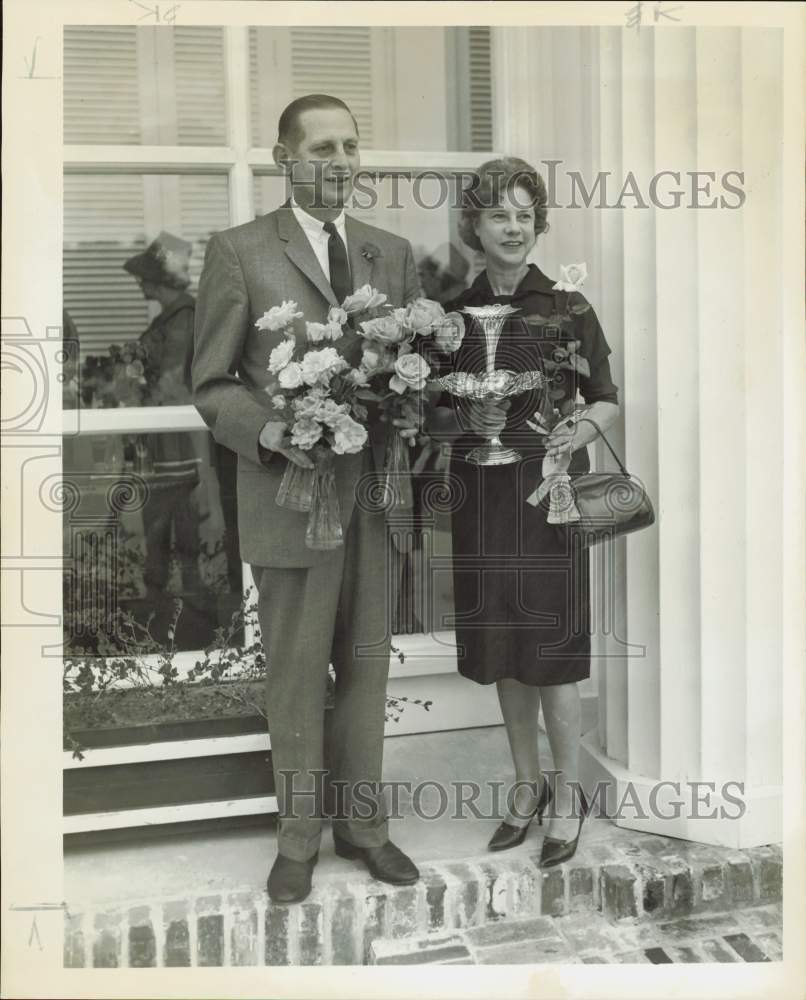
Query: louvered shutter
point(480, 103)
point(204, 208)
point(286, 63)
point(101, 93)
point(200, 88)
point(337, 61)
point(164, 85)
point(105, 223)
point(103, 226)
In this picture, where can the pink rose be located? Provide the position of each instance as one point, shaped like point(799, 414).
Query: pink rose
point(349, 436)
point(411, 372)
point(423, 314)
point(365, 297)
point(572, 277)
point(384, 330)
point(449, 333)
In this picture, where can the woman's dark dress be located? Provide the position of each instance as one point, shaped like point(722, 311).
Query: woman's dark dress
point(521, 585)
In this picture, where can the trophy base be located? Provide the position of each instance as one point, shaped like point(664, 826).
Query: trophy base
point(493, 454)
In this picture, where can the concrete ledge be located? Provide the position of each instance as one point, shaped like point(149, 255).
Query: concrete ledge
point(625, 879)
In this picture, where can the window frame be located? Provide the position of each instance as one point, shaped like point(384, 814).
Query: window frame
point(423, 653)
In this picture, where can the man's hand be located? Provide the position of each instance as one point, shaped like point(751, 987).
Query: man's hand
point(486, 417)
point(273, 437)
point(407, 427)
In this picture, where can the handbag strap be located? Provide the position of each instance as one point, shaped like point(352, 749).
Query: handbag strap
point(601, 434)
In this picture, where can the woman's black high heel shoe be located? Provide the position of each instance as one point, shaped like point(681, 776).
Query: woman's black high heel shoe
point(554, 852)
point(507, 835)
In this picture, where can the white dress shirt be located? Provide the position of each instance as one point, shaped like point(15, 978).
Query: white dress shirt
point(317, 237)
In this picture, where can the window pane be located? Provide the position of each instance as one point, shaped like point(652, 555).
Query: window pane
point(155, 519)
point(409, 88)
point(418, 207)
point(144, 85)
point(110, 219)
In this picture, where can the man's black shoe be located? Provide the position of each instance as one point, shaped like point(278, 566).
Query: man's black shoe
point(386, 863)
point(290, 881)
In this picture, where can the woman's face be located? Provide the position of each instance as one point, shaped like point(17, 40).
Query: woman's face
point(507, 232)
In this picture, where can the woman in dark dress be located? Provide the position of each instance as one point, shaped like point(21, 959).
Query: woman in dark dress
point(521, 583)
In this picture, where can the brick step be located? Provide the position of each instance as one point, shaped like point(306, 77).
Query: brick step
point(630, 877)
point(749, 935)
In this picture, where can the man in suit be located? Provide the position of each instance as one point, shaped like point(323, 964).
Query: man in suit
point(314, 607)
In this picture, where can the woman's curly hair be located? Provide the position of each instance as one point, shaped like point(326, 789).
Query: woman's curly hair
point(492, 180)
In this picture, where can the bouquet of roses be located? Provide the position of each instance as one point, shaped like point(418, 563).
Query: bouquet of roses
point(314, 389)
point(394, 345)
point(324, 399)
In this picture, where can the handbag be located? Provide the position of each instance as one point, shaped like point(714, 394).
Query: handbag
point(609, 503)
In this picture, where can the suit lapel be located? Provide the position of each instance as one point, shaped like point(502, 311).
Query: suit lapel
point(299, 252)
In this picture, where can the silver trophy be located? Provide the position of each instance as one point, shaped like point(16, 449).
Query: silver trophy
point(492, 385)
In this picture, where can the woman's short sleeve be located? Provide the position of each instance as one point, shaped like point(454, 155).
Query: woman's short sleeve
point(598, 386)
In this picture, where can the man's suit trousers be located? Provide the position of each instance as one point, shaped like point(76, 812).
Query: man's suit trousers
point(337, 611)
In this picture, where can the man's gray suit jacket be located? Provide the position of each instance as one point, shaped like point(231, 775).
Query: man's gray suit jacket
point(247, 270)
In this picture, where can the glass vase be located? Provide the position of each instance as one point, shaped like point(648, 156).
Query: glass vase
point(398, 492)
point(296, 488)
point(324, 530)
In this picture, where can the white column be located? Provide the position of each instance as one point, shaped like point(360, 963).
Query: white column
point(690, 671)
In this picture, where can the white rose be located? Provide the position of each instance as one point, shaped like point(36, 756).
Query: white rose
point(572, 278)
point(376, 358)
point(318, 367)
point(280, 356)
point(279, 317)
point(384, 330)
point(278, 402)
point(332, 412)
point(366, 297)
point(449, 333)
point(411, 372)
point(349, 436)
point(357, 376)
point(305, 433)
point(308, 406)
point(422, 314)
point(337, 316)
point(291, 376)
point(316, 332)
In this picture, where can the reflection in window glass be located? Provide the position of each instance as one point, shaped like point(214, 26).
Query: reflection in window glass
point(133, 252)
point(155, 519)
point(144, 85)
point(417, 205)
point(409, 88)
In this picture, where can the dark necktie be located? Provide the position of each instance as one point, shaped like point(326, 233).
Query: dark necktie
point(340, 280)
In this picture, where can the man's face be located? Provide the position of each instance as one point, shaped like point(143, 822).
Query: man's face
point(326, 158)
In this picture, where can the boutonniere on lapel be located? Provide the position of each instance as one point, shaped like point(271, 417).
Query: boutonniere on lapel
point(369, 251)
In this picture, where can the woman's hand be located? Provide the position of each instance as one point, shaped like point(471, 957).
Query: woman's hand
point(561, 440)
